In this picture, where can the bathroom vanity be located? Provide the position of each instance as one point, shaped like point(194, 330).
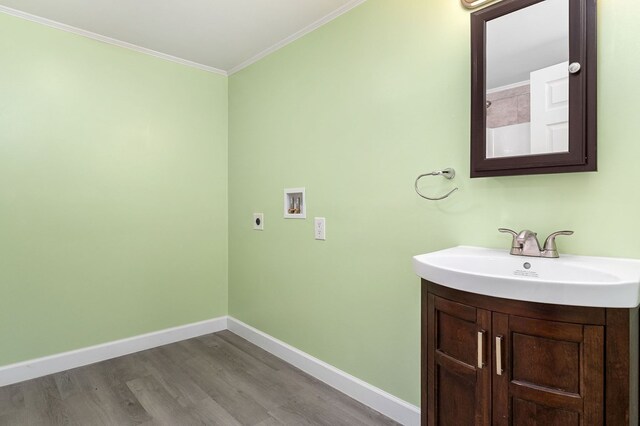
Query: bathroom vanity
point(510, 340)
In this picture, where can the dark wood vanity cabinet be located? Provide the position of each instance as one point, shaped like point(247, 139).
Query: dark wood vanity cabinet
point(458, 390)
point(491, 361)
point(551, 372)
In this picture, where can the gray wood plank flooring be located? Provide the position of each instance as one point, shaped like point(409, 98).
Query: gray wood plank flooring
point(217, 379)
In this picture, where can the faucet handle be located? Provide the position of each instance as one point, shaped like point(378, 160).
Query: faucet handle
point(550, 249)
point(515, 247)
point(509, 231)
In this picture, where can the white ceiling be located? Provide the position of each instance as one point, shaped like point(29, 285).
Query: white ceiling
point(220, 35)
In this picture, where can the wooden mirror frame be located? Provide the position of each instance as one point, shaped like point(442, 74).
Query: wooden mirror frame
point(582, 97)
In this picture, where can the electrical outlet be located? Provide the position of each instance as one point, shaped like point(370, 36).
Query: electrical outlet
point(258, 221)
point(320, 228)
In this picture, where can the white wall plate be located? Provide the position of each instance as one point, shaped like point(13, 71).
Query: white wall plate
point(258, 221)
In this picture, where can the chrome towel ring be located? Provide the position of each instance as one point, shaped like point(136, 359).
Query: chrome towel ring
point(448, 173)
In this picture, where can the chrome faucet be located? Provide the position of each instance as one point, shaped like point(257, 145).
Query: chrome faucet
point(526, 243)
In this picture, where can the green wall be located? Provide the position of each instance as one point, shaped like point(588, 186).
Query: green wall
point(354, 112)
point(113, 192)
point(114, 174)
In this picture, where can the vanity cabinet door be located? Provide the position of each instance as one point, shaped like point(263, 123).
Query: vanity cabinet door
point(547, 373)
point(458, 350)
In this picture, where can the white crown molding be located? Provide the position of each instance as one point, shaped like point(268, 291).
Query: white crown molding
point(44, 366)
point(509, 86)
point(381, 401)
point(68, 28)
point(293, 37)
point(109, 40)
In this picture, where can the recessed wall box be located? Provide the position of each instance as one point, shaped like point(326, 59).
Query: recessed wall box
point(295, 203)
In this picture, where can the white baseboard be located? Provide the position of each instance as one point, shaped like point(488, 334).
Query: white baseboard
point(39, 367)
point(381, 401)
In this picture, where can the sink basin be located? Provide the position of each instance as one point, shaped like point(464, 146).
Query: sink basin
point(568, 280)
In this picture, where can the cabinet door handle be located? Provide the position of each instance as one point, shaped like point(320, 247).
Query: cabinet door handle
point(499, 355)
point(480, 348)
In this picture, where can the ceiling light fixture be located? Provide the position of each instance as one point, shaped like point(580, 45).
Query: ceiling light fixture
point(473, 4)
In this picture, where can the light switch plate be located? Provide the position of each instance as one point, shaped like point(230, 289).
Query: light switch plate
point(258, 221)
point(320, 228)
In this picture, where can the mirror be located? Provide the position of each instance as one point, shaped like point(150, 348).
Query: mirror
point(533, 100)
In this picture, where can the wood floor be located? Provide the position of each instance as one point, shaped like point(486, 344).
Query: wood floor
point(218, 379)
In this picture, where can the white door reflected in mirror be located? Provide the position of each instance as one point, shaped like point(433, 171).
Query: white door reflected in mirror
point(527, 81)
point(550, 109)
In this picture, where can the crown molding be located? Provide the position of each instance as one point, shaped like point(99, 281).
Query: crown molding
point(509, 86)
point(98, 37)
point(108, 40)
point(301, 33)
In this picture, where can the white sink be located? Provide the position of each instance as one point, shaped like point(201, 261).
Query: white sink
point(568, 280)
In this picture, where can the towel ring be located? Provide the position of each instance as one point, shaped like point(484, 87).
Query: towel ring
point(448, 173)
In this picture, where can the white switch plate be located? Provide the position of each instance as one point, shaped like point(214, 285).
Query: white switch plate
point(320, 228)
point(258, 221)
